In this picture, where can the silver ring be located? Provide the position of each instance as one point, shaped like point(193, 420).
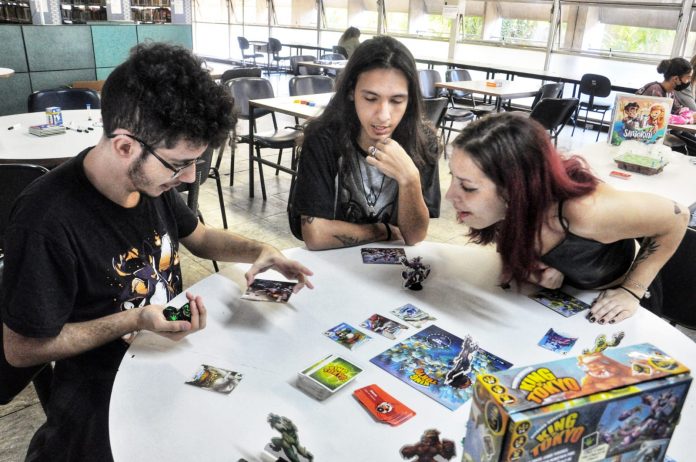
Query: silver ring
point(372, 151)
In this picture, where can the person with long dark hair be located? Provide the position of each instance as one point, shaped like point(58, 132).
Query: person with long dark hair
point(368, 168)
point(553, 222)
point(677, 74)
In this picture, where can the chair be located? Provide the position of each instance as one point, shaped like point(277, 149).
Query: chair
point(465, 98)
point(340, 50)
point(548, 90)
point(427, 79)
point(240, 72)
point(274, 47)
point(310, 85)
point(65, 98)
point(244, 46)
point(332, 57)
point(594, 86)
point(247, 88)
point(553, 114)
point(303, 70)
point(14, 178)
point(434, 110)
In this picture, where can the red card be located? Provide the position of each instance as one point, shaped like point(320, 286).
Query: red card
point(382, 405)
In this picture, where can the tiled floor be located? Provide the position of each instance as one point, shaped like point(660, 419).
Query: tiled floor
point(265, 221)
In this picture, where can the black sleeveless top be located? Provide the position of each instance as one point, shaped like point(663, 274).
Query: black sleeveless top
point(586, 263)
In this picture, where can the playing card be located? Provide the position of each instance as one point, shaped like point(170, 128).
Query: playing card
point(347, 335)
point(560, 302)
point(381, 325)
point(265, 290)
point(215, 379)
point(382, 405)
point(382, 255)
point(412, 315)
point(557, 342)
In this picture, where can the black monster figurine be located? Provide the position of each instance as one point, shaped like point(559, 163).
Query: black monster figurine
point(429, 447)
point(414, 273)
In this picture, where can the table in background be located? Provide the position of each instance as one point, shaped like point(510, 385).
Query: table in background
point(677, 181)
point(18, 146)
point(509, 89)
point(299, 47)
point(6, 73)
point(284, 105)
point(155, 416)
point(326, 65)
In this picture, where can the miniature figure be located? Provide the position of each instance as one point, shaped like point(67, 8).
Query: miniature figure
point(429, 447)
point(602, 344)
point(414, 272)
point(287, 447)
point(457, 376)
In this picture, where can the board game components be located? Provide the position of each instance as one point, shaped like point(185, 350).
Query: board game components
point(266, 290)
point(613, 404)
point(385, 326)
point(383, 406)
point(324, 378)
point(412, 315)
point(178, 314)
point(414, 272)
point(559, 301)
point(347, 335)
point(215, 379)
point(439, 364)
point(286, 447)
point(640, 118)
point(557, 342)
point(428, 447)
point(382, 255)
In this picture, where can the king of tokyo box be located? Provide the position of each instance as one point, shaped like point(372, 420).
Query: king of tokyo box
point(617, 404)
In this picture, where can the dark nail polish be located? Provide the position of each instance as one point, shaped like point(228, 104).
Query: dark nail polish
point(593, 319)
point(601, 321)
point(612, 321)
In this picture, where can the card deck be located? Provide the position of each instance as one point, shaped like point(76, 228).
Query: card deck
point(383, 406)
point(385, 326)
point(265, 290)
point(412, 315)
point(557, 342)
point(560, 302)
point(382, 255)
point(347, 335)
point(326, 377)
point(215, 379)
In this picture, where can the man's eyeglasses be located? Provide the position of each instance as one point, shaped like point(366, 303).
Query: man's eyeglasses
point(177, 170)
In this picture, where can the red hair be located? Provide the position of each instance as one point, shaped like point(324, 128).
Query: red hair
point(516, 153)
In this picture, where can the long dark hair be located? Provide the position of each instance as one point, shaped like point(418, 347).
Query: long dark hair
point(516, 153)
point(340, 120)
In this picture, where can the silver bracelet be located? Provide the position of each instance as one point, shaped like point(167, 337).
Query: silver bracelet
point(638, 285)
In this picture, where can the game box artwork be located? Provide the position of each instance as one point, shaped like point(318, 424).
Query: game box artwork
point(641, 118)
point(611, 404)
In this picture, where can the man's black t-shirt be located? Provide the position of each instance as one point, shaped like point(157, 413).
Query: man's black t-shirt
point(73, 255)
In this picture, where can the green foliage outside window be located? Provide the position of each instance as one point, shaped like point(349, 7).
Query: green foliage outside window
point(637, 40)
point(524, 30)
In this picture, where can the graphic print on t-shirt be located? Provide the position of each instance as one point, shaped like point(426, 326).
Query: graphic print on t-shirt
point(148, 275)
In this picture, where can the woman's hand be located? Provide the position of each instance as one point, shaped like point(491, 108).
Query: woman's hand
point(612, 306)
point(546, 276)
point(392, 160)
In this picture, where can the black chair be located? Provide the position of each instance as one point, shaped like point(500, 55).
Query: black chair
point(595, 87)
point(274, 47)
point(303, 70)
point(14, 178)
point(464, 98)
point(248, 88)
point(240, 72)
point(548, 90)
point(553, 114)
point(340, 50)
point(427, 79)
point(434, 110)
point(192, 190)
point(244, 46)
point(65, 98)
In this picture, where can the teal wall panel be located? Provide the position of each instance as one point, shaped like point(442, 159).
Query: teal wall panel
point(12, 55)
point(52, 79)
point(112, 44)
point(58, 47)
point(170, 33)
point(13, 94)
point(103, 72)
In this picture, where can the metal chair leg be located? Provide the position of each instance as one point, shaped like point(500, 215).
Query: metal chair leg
point(261, 180)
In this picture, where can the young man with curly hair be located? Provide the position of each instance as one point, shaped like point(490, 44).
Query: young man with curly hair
point(92, 248)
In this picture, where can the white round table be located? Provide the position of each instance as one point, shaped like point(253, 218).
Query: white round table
point(155, 416)
point(17, 145)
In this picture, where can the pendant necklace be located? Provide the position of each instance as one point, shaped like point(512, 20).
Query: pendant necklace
point(370, 198)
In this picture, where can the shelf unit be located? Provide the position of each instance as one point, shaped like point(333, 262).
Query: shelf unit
point(15, 12)
point(151, 11)
point(81, 11)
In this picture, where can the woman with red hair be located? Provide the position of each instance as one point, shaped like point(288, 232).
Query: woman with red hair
point(553, 222)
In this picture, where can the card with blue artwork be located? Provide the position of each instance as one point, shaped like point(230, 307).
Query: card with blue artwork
point(347, 335)
point(439, 364)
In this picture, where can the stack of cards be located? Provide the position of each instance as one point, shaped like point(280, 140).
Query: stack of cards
point(383, 406)
point(326, 377)
point(46, 130)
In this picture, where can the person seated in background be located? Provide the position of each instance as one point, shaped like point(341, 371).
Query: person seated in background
point(686, 96)
point(368, 170)
point(350, 40)
point(92, 247)
point(677, 74)
point(553, 222)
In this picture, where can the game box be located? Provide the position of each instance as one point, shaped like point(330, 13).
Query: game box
point(615, 404)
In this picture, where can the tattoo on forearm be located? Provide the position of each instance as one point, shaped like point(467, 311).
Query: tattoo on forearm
point(306, 220)
point(647, 248)
point(677, 210)
point(348, 241)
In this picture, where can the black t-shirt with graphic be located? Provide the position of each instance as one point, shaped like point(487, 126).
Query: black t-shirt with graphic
point(73, 255)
